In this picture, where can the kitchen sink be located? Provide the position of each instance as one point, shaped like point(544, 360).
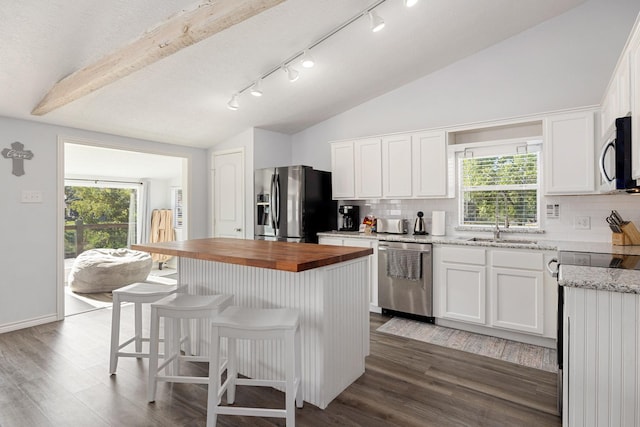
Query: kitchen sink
point(505, 241)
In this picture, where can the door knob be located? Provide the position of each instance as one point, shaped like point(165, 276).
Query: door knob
point(238, 229)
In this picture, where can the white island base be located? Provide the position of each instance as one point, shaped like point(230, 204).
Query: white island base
point(334, 306)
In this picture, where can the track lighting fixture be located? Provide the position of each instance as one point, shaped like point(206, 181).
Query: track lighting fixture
point(233, 103)
point(307, 60)
point(377, 23)
point(292, 73)
point(410, 3)
point(256, 89)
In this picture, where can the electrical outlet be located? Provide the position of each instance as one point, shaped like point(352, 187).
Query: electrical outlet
point(31, 196)
point(582, 223)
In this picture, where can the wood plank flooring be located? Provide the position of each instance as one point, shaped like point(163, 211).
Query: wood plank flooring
point(56, 375)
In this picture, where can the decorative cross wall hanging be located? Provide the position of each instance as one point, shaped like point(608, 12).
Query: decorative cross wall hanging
point(18, 155)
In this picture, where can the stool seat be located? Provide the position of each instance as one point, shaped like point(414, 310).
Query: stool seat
point(257, 319)
point(138, 293)
point(176, 308)
point(235, 323)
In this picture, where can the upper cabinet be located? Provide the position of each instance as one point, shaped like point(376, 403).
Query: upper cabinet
point(569, 146)
point(430, 162)
point(410, 165)
point(342, 176)
point(396, 166)
point(368, 168)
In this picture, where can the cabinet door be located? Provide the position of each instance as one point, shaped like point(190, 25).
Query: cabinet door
point(517, 299)
point(634, 59)
point(396, 166)
point(342, 170)
point(373, 265)
point(623, 83)
point(463, 292)
point(368, 168)
point(569, 154)
point(429, 164)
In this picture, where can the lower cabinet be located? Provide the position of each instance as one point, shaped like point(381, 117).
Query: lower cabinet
point(373, 263)
point(505, 289)
point(462, 279)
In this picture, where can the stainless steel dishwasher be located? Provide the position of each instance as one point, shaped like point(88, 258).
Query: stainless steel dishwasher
point(401, 294)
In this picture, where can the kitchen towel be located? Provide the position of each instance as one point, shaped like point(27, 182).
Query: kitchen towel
point(437, 223)
point(404, 264)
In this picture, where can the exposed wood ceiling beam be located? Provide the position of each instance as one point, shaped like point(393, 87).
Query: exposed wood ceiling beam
point(175, 34)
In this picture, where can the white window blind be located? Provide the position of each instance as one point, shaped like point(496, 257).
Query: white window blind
point(505, 186)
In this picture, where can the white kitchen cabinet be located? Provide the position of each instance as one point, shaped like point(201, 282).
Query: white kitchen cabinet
point(569, 163)
point(368, 168)
point(517, 290)
point(601, 375)
point(502, 292)
point(617, 100)
point(373, 261)
point(634, 59)
point(461, 276)
point(430, 164)
point(342, 170)
point(396, 166)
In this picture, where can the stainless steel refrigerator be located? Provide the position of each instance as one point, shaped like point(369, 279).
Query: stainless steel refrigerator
point(293, 204)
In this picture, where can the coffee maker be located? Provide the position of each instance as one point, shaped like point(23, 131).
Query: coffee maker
point(350, 217)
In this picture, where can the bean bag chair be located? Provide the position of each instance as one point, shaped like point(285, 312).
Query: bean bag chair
point(103, 270)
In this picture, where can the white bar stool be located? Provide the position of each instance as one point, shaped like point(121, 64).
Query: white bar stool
point(137, 293)
point(174, 309)
point(255, 324)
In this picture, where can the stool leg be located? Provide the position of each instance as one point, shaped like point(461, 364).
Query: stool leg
point(298, 369)
point(138, 326)
point(153, 355)
point(175, 344)
point(232, 369)
point(290, 373)
point(214, 378)
point(115, 334)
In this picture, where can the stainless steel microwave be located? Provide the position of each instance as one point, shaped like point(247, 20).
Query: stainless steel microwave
point(615, 160)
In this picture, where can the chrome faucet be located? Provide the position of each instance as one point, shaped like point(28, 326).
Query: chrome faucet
point(496, 231)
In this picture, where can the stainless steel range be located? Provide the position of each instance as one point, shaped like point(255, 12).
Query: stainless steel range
point(405, 279)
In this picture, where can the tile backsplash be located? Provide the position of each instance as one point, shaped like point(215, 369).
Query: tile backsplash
point(562, 227)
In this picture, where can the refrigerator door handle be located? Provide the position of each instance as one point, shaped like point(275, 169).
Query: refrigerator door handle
point(272, 198)
point(277, 181)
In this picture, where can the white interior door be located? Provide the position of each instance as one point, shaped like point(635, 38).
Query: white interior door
point(228, 194)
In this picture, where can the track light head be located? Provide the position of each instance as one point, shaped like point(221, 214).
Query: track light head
point(233, 103)
point(307, 60)
point(292, 73)
point(377, 23)
point(410, 3)
point(256, 89)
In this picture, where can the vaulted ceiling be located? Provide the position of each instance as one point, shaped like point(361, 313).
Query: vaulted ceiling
point(182, 98)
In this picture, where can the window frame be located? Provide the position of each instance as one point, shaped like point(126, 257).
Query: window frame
point(522, 145)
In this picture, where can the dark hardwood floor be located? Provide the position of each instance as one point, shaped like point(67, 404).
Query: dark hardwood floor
point(56, 375)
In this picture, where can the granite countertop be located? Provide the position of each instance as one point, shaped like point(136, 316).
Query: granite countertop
point(605, 279)
point(525, 241)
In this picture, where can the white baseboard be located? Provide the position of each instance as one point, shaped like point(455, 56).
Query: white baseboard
point(8, 327)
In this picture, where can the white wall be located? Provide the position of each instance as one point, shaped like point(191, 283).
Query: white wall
point(562, 63)
point(29, 245)
point(271, 149)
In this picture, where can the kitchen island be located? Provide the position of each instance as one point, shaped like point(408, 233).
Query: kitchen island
point(328, 284)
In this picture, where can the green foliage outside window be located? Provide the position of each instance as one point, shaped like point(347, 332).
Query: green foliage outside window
point(107, 207)
point(487, 181)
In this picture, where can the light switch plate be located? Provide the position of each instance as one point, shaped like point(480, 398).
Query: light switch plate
point(582, 223)
point(31, 196)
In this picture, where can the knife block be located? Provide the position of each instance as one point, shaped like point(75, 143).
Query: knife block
point(629, 236)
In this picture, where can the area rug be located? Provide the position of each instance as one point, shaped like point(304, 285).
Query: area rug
point(529, 355)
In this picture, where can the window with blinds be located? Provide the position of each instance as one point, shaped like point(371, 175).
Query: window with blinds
point(505, 185)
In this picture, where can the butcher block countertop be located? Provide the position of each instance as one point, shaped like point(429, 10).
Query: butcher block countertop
point(283, 256)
